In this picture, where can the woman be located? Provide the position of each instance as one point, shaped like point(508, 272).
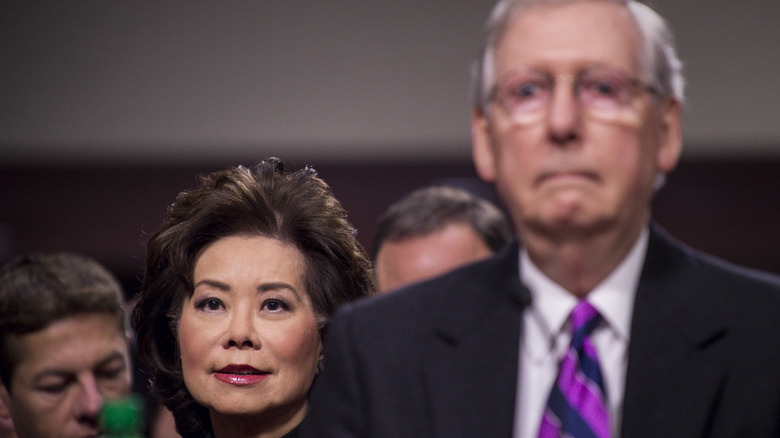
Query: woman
point(241, 279)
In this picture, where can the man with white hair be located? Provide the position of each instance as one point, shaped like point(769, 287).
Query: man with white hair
point(599, 324)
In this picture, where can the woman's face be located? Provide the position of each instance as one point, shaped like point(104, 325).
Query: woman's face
point(248, 335)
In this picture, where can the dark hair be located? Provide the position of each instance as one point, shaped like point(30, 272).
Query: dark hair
point(431, 209)
point(294, 207)
point(37, 290)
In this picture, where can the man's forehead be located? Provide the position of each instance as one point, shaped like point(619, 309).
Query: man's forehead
point(584, 32)
point(81, 338)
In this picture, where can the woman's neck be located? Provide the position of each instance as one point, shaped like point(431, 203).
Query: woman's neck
point(271, 423)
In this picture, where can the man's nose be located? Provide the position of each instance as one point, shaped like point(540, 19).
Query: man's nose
point(90, 399)
point(563, 112)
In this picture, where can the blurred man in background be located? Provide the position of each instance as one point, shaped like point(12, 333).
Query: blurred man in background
point(63, 345)
point(434, 230)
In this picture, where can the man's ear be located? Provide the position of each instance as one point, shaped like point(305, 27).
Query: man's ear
point(481, 146)
point(670, 143)
point(5, 401)
point(6, 422)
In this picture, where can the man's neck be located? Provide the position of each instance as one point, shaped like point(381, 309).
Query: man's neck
point(579, 262)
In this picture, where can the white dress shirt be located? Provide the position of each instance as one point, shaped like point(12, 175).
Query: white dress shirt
point(546, 336)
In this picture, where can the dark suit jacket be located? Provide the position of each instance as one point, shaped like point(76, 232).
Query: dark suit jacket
point(439, 359)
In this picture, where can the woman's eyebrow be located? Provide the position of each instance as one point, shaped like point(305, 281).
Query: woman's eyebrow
point(276, 285)
point(213, 283)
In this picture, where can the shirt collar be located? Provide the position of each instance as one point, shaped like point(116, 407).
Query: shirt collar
point(551, 304)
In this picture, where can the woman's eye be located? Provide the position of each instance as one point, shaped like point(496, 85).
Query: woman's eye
point(275, 305)
point(209, 304)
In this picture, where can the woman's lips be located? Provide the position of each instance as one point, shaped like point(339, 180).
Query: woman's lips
point(240, 375)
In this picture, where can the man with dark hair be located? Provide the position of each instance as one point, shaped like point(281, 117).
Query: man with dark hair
point(63, 345)
point(434, 230)
point(600, 324)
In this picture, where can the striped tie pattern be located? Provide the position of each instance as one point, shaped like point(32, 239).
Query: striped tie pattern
point(577, 405)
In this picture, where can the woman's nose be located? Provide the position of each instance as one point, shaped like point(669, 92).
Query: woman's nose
point(242, 331)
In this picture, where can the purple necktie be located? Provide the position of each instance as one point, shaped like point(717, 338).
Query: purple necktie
point(577, 406)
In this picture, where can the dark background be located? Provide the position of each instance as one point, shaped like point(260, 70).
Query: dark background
point(730, 208)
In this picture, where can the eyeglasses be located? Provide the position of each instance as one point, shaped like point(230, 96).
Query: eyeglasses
point(605, 92)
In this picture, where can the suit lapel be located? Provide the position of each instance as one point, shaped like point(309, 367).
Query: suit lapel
point(672, 385)
point(672, 382)
point(471, 367)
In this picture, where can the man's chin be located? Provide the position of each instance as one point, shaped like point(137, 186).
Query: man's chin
point(570, 225)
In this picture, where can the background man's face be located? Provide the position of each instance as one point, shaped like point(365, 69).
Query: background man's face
point(407, 261)
point(65, 373)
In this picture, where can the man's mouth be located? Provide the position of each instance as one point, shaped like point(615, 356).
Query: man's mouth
point(567, 176)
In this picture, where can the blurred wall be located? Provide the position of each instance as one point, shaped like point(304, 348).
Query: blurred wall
point(109, 108)
point(176, 80)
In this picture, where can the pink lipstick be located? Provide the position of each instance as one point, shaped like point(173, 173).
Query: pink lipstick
point(240, 375)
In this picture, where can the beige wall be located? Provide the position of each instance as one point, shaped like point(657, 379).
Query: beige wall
point(177, 80)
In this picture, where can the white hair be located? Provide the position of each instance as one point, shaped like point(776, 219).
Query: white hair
point(658, 57)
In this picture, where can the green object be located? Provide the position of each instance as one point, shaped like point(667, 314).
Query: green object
point(123, 417)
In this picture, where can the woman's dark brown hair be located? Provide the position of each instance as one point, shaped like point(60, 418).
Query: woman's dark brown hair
point(294, 207)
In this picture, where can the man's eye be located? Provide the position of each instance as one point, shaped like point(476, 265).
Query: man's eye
point(603, 87)
point(525, 90)
point(54, 388)
point(111, 373)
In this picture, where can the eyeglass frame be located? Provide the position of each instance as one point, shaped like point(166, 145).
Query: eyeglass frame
point(551, 81)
